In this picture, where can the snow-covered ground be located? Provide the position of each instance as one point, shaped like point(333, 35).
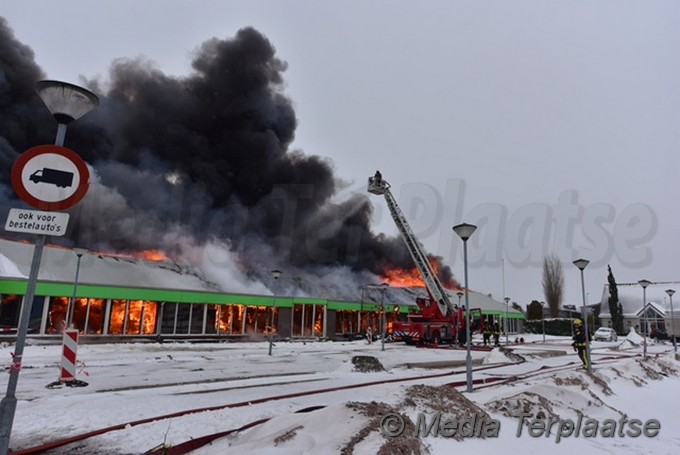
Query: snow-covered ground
point(243, 384)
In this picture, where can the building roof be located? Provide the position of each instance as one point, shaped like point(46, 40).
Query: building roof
point(59, 264)
point(631, 298)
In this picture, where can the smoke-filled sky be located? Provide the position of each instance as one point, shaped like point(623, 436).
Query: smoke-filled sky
point(202, 158)
point(552, 126)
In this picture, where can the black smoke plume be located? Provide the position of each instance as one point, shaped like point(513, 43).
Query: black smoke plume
point(205, 157)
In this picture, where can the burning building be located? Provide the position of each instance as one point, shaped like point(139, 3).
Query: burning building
point(126, 296)
point(199, 171)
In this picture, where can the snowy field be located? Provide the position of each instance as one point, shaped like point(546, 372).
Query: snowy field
point(243, 384)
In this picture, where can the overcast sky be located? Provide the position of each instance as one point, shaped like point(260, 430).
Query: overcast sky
point(551, 125)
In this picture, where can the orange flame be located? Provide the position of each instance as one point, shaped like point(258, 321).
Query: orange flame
point(399, 277)
point(402, 278)
point(147, 255)
point(153, 255)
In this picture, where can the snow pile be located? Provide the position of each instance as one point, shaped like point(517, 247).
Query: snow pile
point(500, 355)
point(631, 340)
point(9, 268)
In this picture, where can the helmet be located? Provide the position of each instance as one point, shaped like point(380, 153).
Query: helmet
point(577, 322)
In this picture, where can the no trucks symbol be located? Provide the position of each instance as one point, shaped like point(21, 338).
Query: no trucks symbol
point(50, 177)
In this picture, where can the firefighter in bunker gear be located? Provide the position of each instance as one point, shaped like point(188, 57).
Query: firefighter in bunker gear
point(496, 333)
point(486, 333)
point(580, 343)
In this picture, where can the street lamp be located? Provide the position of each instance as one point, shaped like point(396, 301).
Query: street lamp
point(67, 103)
point(71, 307)
point(465, 231)
point(543, 319)
point(460, 294)
point(383, 322)
point(644, 284)
point(582, 264)
point(571, 309)
point(670, 293)
point(276, 274)
point(361, 309)
point(507, 300)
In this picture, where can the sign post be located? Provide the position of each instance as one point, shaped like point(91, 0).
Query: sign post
point(47, 177)
point(66, 102)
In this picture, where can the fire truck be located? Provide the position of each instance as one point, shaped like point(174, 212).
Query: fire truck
point(437, 320)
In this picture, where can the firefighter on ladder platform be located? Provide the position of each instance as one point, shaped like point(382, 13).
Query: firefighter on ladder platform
point(579, 343)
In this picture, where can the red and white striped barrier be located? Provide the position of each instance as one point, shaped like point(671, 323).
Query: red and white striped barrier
point(68, 357)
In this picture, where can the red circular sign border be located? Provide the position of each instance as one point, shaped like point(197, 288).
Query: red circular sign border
point(24, 195)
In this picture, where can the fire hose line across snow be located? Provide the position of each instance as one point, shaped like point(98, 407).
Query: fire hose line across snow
point(62, 442)
point(188, 446)
point(193, 444)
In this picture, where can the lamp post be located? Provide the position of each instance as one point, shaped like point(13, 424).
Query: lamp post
point(582, 264)
point(670, 293)
point(460, 295)
point(67, 103)
point(507, 301)
point(383, 322)
point(71, 307)
point(644, 284)
point(465, 231)
point(543, 319)
point(276, 274)
point(571, 318)
point(361, 308)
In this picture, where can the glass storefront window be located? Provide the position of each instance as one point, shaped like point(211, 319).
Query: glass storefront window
point(256, 319)
point(117, 321)
point(56, 322)
point(10, 307)
point(168, 317)
point(197, 318)
point(238, 315)
point(95, 317)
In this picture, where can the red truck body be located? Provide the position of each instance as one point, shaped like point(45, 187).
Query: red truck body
point(429, 325)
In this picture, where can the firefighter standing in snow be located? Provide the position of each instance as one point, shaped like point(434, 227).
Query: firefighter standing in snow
point(486, 333)
point(496, 333)
point(579, 343)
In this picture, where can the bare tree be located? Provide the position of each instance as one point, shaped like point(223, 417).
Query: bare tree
point(553, 283)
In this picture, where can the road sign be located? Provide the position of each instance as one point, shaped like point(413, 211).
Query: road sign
point(50, 177)
point(37, 222)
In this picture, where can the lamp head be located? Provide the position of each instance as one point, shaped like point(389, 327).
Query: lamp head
point(670, 292)
point(464, 230)
point(581, 263)
point(80, 251)
point(644, 283)
point(276, 274)
point(66, 102)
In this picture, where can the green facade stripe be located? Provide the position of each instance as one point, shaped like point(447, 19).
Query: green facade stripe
point(44, 288)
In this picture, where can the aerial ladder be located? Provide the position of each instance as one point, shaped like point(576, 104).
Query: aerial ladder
point(441, 321)
point(377, 185)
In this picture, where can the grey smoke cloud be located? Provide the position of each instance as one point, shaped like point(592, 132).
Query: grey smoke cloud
point(206, 156)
